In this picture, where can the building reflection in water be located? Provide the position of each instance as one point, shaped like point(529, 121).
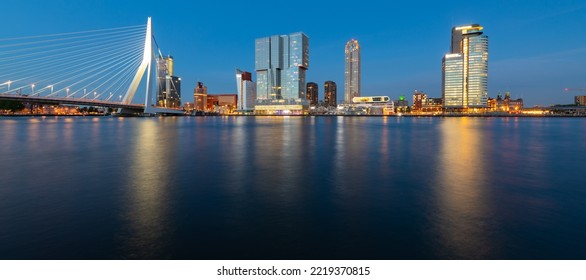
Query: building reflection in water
point(462, 218)
point(150, 175)
point(285, 157)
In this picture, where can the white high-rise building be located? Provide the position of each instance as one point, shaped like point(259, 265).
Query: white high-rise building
point(352, 71)
point(246, 90)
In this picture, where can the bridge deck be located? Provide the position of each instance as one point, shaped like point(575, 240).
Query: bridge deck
point(70, 101)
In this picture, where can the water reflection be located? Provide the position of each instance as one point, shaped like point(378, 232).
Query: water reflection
point(150, 177)
point(299, 188)
point(462, 217)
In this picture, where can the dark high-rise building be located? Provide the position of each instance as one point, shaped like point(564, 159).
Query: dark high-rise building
point(174, 96)
point(330, 94)
point(169, 86)
point(312, 93)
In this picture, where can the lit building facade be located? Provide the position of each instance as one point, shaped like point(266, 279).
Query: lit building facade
point(401, 105)
point(246, 91)
point(281, 63)
point(506, 104)
point(352, 71)
point(330, 94)
point(200, 97)
point(465, 69)
point(372, 105)
point(222, 103)
point(433, 105)
point(168, 86)
point(312, 93)
point(419, 98)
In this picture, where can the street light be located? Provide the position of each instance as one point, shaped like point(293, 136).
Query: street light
point(50, 86)
point(67, 92)
point(8, 83)
point(33, 89)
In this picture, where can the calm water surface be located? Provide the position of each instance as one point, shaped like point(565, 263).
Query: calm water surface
point(292, 188)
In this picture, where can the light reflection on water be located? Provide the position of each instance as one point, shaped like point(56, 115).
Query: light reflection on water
point(148, 183)
point(293, 187)
point(463, 215)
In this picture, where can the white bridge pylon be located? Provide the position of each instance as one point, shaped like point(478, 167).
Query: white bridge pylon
point(145, 66)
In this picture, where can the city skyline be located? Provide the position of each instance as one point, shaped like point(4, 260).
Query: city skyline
point(536, 66)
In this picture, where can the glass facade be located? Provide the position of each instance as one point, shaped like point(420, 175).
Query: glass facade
point(465, 70)
point(281, 62)
point(168, 86)
point(476, 54)
point(352, 71)
point(453, 80)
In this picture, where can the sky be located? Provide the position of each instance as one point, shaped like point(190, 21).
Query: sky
point(536, 48)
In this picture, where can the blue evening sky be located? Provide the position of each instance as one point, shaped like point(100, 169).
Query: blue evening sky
point(536, 48)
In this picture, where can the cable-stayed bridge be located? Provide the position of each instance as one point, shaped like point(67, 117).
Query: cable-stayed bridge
point(103, 68)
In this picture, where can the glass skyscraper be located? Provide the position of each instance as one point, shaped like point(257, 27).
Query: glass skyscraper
point(169, 86)
point(465, 69)
point(352, 71)
point(281, 64)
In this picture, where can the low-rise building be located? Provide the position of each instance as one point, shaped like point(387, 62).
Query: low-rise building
point(222, 103)
point(580, 100)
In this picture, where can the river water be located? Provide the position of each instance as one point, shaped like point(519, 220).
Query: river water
point(292, 188)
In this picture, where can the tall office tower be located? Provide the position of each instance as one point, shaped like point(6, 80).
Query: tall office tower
point(200, 97)
point(330, 94)
point(246, 90)
point(281, 63)
point(174, 96)
point(312, 93)
point(352, 73)
point(169, 86)
point(465, 69)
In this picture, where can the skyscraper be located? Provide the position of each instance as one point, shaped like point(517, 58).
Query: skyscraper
point(330, 94)
point(169, 86)
point(281, 63)
point(312, 93)
point(352, 71)
point(465, 69)
point(246, 90)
